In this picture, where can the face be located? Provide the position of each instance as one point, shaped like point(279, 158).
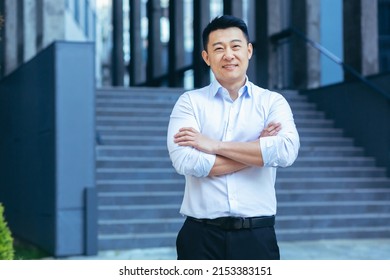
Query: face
point(228, 54)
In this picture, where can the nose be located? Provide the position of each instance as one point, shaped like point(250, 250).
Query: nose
point(228, 54)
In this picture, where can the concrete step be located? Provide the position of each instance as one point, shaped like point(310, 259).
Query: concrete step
point(121, 151)
point(292, 172)
point(159, 150)
point(284, 209)
point(133, 161)
point(332, 233)
point(331, 194)
point(138, 211)
point(144, 185)
point(140, 198)
point(281, 183)
point(133, 226)
point(334, 161)
point(284, 223)
point(165, 111)
point(333, 207)
point(130, 104)
point(161, 130)
point(336, 172)
point(135, 241)
point(155, 94)
point(327, 182)
point(139, 92)
point(169, 197)
point(148, 159)
point(158, 121)
point(138, 112)
point(336, 220)
point(138, 140)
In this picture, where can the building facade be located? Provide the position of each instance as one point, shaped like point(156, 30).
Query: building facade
point(157, 43)
point(32, 25)
point(298, 44)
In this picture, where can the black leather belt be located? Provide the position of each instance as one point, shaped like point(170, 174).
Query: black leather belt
point(231, 223)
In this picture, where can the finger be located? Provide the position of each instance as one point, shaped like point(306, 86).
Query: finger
point(191, 129)
point(183, 132)
point(182, 138)
point(273, 126)
point(270, 128)
point(278, 125)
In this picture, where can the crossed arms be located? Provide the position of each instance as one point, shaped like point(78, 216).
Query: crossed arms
point(202, 154)
point(230, 156)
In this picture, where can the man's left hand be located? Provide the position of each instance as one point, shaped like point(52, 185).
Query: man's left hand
point(188, 136)
point(272, 129)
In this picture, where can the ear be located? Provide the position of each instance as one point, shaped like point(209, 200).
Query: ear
point(250, 50)
point(205, 57)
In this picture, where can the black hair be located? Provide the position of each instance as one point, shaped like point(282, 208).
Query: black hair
point(224, 22)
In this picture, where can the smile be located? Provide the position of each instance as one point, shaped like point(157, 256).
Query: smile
point(230, 66)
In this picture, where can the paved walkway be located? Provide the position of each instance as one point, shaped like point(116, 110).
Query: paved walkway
point(355, 249)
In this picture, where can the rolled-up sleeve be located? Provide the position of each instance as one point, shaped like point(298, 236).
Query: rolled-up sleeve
point(186, 160)
point(281, 150)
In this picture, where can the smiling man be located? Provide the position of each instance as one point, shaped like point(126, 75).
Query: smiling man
point(228, 139)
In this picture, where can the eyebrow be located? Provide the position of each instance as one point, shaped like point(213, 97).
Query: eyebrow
point(232, 41)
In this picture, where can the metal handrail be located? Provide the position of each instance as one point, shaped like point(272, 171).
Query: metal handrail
point(291, 31)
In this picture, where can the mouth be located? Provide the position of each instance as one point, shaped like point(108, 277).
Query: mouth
point(230, 66)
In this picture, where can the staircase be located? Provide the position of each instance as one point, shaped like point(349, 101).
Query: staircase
point(332, 191)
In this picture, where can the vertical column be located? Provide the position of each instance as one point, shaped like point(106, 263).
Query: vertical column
point(154, 65)
point(53, 14)
point(305, 60)
point(251, 18)
point(360, 28)
point(2, 52)
point(117, 49)
point(176, 43)
point(20, 31)
point(233, 7)
point(30, 29)
point(39, 24)
point(10, 36)
point(313, 32)
point(275, 78)
point(201, 19)
point(137, 73)
point(261, 57)
point(298, 66)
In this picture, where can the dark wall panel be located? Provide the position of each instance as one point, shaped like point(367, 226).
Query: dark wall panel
point(47, 159)
point(363, 114)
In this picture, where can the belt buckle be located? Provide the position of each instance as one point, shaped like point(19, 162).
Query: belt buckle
point(234, 223)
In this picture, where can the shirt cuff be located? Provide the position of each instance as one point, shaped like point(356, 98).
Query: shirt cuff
point(206, 164)
point(268, 150)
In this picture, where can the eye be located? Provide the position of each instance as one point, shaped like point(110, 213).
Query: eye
point(219, 49)
point(236, 47)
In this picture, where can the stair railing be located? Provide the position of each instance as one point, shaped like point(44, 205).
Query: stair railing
point(289, 32)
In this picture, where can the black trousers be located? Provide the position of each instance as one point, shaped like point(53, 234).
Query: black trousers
point(199, 241)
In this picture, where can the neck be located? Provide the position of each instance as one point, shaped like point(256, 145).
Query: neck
point(233, 88)
point(233, 94)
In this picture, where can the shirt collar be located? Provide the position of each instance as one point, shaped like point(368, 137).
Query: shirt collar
point(215, 87)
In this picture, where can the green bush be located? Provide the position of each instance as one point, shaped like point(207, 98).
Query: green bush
point(6, 240)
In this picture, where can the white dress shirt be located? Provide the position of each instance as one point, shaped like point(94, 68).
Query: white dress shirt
point(210, 110)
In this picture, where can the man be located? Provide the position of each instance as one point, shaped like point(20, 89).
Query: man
point(227, 139)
